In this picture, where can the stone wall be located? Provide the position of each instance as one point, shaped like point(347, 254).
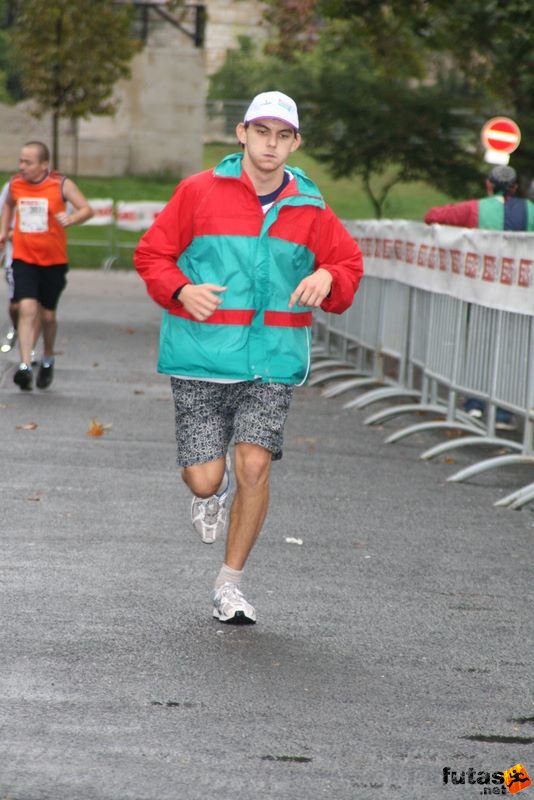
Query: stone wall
point(227, 20)
point(160, 123)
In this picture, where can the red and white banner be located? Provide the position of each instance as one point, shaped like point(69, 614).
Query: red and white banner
point(137, 216)
point(103, 208)
point(489, 268)
point(129, 216)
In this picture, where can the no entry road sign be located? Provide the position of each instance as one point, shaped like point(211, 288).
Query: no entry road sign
point(501, 134)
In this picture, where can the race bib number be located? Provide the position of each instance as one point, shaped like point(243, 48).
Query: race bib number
point(33, 214)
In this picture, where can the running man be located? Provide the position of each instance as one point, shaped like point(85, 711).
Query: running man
point(238, 259)
point(40, 266)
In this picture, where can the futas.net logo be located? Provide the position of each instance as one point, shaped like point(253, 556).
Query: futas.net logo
point(508, 781)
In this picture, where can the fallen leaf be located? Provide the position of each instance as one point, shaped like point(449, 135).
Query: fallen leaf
point(449, 460)
point(97, 428)
point(28, 426)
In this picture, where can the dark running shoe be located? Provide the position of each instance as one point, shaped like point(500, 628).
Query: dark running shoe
point(45, 376)
point(23, 377)
point(505, 421)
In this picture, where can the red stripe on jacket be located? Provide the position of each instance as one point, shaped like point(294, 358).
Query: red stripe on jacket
point(239, 316)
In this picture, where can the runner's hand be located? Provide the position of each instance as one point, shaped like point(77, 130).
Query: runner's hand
point(64, 219)
point(201, 299)
point(312, 290)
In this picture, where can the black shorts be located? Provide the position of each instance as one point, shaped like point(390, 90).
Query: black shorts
point(44, 284)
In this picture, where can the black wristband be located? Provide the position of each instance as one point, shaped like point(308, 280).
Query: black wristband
point(176, 295)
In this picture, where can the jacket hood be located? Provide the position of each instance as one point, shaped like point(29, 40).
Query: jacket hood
point(232, 167)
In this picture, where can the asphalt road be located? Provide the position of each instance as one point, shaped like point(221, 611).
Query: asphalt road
point(393, 644)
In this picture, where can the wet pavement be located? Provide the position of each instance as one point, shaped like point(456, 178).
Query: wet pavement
point(393, 650)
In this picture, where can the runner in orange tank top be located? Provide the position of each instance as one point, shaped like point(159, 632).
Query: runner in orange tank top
point(39, 197)
point(38, 236)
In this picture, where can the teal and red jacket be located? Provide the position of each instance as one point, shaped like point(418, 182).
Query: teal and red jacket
point(213, 230)
point(492, 213)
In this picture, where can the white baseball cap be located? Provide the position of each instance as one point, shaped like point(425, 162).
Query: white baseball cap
point(274, 105)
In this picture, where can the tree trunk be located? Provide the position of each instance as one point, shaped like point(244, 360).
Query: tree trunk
point(76, 143)
point(375, 202)
point(55, 139)
point(57, 92)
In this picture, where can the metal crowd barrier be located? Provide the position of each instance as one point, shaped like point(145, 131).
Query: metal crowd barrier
point(451, 314)
point(356, 333)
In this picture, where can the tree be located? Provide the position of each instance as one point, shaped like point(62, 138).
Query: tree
point(398, 90)
point(70, 54)
point(493, 45)
point(294, 25)
point(10, 88)
point(386, 131)
point(489, 45)
point(392, 32)
point(246, 72)
point(365, 115)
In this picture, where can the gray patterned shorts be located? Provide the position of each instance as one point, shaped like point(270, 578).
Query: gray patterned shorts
point(209, 415)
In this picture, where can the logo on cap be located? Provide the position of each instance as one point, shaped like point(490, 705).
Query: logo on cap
point(275, 105)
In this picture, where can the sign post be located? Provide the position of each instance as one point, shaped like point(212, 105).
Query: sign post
point(500, 137)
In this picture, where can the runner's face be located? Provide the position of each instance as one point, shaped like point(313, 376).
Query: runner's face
point(268, 143)
point(31, 169)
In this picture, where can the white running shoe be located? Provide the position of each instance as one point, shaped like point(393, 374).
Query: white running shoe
point(476, 413)
point(229, 605)
point(208, 514)
point(9, 342)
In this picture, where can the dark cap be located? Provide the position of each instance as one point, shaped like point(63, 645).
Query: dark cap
point(503, 177)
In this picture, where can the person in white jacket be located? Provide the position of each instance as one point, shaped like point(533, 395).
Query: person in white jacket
point(10, 338)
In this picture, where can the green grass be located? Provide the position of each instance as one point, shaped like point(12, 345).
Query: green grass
point(131, 187)
point(89, 247)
